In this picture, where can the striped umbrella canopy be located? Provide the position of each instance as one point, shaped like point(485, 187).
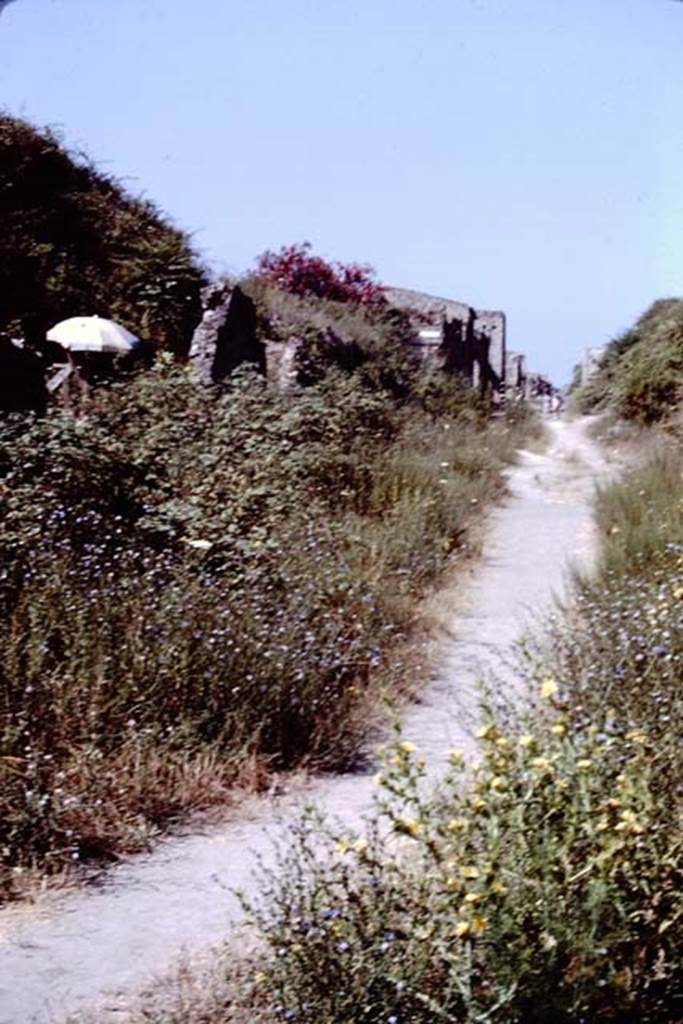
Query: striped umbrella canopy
point(93, 334)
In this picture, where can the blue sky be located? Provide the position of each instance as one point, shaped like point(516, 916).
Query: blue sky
point(525, 155)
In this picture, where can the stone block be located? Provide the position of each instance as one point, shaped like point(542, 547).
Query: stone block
point(227, 335)
point(281, 369)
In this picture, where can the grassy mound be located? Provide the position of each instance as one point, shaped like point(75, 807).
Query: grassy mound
point(641, 374)
point(73, 242)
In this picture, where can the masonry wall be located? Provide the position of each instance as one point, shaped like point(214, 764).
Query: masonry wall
point(457, 337)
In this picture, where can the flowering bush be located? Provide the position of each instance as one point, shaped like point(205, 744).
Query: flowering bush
point(294, 269)
point(545, 887)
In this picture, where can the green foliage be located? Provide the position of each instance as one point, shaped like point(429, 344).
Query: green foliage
point(73, 243)
point(545, 885)
point(545, 888)
point(641, 374)
point(198, 582)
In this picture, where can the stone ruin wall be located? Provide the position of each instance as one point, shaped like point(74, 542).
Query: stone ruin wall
point(457, 337)
point(590, 362)
point(449, 335)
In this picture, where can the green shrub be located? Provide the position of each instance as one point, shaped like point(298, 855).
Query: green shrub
point(641, 373)
point(548, 888)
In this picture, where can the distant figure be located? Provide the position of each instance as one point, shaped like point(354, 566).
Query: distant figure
point(556, 404)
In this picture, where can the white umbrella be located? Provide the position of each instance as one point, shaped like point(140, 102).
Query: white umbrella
point(93, 334)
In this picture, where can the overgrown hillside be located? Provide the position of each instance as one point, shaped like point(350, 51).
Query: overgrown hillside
point(641, 374)
point(74, 242)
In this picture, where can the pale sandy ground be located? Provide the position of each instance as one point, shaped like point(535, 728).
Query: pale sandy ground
point(98, 945)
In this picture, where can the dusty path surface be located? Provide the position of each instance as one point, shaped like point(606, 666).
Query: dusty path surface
point(95, 946)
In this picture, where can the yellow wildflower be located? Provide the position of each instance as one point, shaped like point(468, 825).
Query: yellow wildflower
point(474, 897)
point(485, 731)
point(457, 824)
point(498, 887)
point(526, 741)
point(462, 929)
point(497, 782)
point(406, 747)
point(678, 594)
point(469, 871)
point(410, 826)
point(478, 804)
point(502, 743)
point(629, 823)
point(378, 779)
point(360, 846)
point(541, 765)
point(559, 729)
point(342, 846)
point(584, 764)
point(478, 924)
point(549, 689)
point(636, 736)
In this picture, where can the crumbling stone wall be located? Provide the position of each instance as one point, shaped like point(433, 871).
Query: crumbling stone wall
point(515, 370)
point(590, 362)
point(226, 336)
point(448, 335)
point(457, 337)
point(281, 363)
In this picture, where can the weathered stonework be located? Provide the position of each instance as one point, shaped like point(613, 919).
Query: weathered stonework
point(448, 335)
point(590, 362)
point(226, 336)
point(281, 369)
point(515, 370)
point(457, 337)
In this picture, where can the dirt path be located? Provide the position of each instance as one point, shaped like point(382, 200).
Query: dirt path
point(95, 945)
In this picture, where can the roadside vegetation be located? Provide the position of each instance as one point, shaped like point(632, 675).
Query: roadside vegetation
point(640, 376)
point(547, 884)
point(543, 885)
point(201, 586)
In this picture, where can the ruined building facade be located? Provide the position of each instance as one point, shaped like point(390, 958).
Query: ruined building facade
point(457, 338)
point(448, 335)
